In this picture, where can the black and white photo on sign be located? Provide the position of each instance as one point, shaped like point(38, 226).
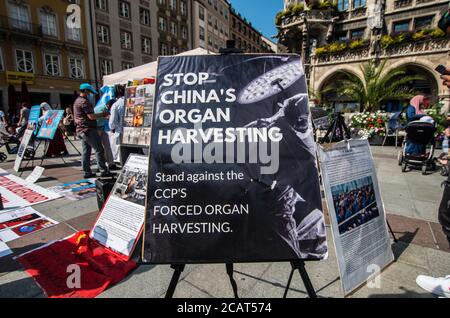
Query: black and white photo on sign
point(132, 185)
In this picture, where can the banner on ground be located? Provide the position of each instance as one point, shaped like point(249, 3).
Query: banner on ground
point(4, 250)
point(233, 174)
point(22, 148)
point(121, 220)
point(356, 211)
point(53, 267)
point(77, 190)
point(21, 222)
point(50, 124)
point(17, 193)
point(138, 114)
point(35, 175)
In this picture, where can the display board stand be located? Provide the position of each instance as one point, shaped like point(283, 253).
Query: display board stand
point(337, 132)
point(178, 269)
point(296, 265)
point(46, 145)
point(300, 266)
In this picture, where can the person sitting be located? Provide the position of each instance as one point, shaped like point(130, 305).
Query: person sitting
point(415, 112)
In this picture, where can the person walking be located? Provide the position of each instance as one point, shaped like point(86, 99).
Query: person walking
point(86, 129)
point(115, 121)
point(69, 125)
point(23, 118)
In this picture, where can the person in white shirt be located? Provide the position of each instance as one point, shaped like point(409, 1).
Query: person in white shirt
point(115, 121)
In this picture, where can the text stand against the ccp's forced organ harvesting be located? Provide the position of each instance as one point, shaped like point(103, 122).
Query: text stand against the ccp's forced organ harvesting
point(233, 175)
point(356, 211)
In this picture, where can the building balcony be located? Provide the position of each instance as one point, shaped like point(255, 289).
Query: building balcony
point(428, 46)
point(20, 27)
point(402, 3)
point(343, 57)
point(358, 12)
point(423, 1)
point(421, 47)
point(319, 16)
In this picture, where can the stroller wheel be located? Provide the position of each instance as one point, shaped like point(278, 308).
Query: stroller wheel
point(3, 157)
point(404, 167)
point(424, 169)
point(400, 158)
point(29, 153)
point(444, 171)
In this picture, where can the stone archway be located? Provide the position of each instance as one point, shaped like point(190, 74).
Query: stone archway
point(429, 86)
point(328, 84)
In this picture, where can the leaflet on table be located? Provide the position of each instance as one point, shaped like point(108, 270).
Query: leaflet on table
point(120, 223)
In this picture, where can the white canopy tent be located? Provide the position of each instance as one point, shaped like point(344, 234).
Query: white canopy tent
point(143, 71)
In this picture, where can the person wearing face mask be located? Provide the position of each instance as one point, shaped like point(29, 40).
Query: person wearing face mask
point(86, 128)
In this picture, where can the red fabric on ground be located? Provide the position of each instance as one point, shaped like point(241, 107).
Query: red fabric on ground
point(99, 267)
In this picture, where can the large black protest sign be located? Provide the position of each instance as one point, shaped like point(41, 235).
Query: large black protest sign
point(233, 175)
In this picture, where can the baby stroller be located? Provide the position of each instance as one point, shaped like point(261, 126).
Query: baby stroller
point(420, 133)
point(12, 144)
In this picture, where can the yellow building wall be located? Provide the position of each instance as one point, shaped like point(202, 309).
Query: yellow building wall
point(45, 84)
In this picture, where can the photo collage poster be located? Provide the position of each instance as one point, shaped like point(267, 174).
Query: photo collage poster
point(138, 113)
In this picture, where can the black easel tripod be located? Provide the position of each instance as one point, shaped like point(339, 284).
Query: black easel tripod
point(179, 268)
point(338, 130)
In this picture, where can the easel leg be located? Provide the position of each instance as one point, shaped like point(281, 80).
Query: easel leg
point(71, 143)
point(300, 266)
point(174, 281)
point(392, 232)
point(230, 271)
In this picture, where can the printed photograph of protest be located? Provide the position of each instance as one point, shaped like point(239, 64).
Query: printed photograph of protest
point(355, 203)
point(132, 185)
point(77, 190)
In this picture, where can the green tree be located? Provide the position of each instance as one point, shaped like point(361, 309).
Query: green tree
point(376, 87)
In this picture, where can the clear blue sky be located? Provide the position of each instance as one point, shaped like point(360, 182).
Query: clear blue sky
point(261, 13)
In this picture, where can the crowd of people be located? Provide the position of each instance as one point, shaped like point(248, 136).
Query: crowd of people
point(98, 129)
point(349, 203)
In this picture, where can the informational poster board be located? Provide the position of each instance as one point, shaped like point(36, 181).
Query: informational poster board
point(138, 115)
point(50, 124)
point(33, 118)
point(356, 211)
point(22, 148)
point(18, 223)
point(233, 174)
point(121, 220)
point(17, 193)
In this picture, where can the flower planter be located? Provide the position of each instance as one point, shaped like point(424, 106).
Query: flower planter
point(376, 140)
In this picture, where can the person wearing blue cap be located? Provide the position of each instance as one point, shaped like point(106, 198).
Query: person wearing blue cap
point(86, 128)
